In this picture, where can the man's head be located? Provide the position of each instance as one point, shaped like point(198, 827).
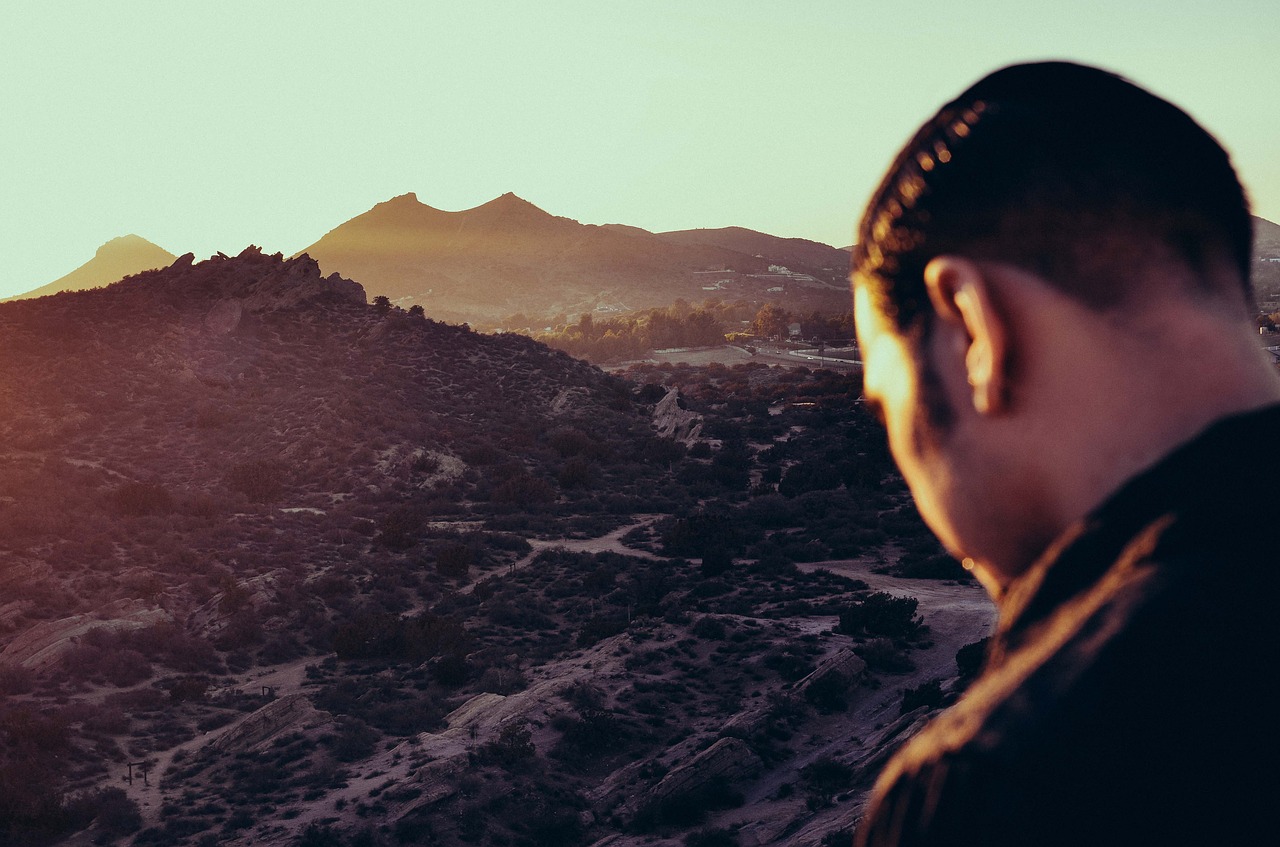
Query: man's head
point(1066, 171)
point(1051, 215)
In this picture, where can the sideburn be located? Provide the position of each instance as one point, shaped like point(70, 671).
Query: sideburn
point(935, 418)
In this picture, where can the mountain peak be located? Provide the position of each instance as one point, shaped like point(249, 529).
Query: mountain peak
point(508, 209)
point(126, 242)
point(120, 257)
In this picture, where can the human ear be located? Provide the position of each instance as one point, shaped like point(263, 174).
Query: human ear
point(961, 295)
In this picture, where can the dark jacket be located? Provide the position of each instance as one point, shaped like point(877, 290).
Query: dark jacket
point(1130, 692)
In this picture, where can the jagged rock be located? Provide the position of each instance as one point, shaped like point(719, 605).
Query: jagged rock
point(224, 317)
point(260, 283)
point(11, 613)
point(727, 760)
point(292, 712)
point(848, 664)
point(746, 723)
point(48, 641)
point(674, 421)
point(211, 618)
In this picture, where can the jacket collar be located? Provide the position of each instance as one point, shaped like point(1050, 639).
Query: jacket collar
point(1220, 478)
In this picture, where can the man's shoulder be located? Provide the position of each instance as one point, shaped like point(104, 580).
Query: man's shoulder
point(1115, 695)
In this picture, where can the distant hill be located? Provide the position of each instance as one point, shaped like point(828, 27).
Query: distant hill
point(793, 253)
point(1266, 238)
point(118, 258)
point(508, 256)
point(1266, 264)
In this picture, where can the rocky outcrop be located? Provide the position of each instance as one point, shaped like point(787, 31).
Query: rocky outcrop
point(849, 665)
point(224, 317)
point(250, 282)
point(47, 642)
point(844, 665)
point(728, 760)
point(293, 713)
point(674, 421)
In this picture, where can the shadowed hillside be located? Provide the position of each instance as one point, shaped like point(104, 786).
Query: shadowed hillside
point(507, 256)
point(282, 567)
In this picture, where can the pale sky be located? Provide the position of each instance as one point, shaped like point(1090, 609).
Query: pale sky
point(207, 126)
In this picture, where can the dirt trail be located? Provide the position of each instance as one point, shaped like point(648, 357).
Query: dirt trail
point(289, 679)
point(608, 543)
point(956, 614)
point(152, 794)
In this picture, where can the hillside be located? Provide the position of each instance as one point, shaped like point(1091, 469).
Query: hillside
point(118, 258)
point(1266, 264)
point(507, 256)
point(315, 571)
point(797, 254)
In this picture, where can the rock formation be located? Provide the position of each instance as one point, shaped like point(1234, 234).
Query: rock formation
point(674, 421)
point(46, 642)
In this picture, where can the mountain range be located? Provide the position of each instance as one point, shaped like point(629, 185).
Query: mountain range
point(509, 264)
point(508, 256)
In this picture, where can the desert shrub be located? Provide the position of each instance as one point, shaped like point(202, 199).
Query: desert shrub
point(829, 694)
point(136, 499)
point(970, 657)
point(789, 662)
point(390, 637)
point(261, 481)
point(930, 566)
point(107, 721)
point(512, 747)
point(809, 476)
point(712, 629)
point(455, 560)
point(320, 835)
point(124, 668)
point(837, 838)
point(450, 670)
point(688, 808)
point(881, 654)
point(881, 614)
point(352, 740)
point(593, 732)
point(578, 472)
point(114, 813)
point(400, 527)
point(712, 838)
point(927, 694)
point(15, 679)
point(139, 700)
point(824, 778)
point(525, 491)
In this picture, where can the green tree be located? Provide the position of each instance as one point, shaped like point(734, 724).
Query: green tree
point(771, 321)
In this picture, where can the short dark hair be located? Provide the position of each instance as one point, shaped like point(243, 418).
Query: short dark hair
point(1067, 171)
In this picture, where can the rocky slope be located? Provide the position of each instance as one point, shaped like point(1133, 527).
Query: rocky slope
point(312, 570)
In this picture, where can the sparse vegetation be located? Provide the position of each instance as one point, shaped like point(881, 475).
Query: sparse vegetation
point(302, 544)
